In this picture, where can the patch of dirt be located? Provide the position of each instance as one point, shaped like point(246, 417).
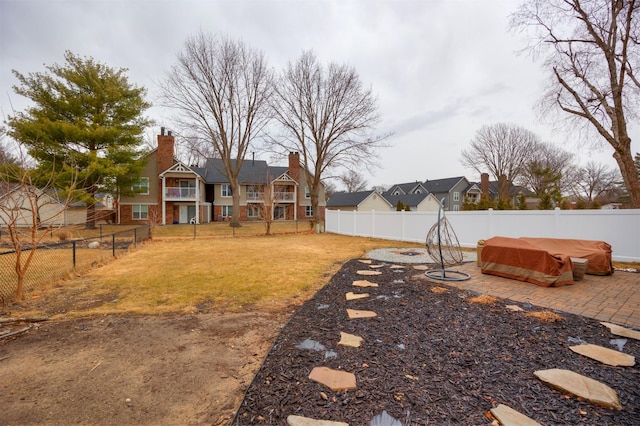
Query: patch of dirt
point(432, 358)
point(170, 369)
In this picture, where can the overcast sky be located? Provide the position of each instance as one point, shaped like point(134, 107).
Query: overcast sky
point(440, 69)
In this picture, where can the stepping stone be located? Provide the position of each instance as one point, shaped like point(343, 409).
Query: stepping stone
point(396, 267)
point(364, 283)
point(369, 273)
point(375, 266)
point(336, 380)
point(306, 421)
point(366, 261)
point(354, 296)
point(507, 416)
point(593, 391)
point(604, 355)
point(421, 267)
point(621, 331)
point(514, 308)
point(350, 340)
point(354, 314)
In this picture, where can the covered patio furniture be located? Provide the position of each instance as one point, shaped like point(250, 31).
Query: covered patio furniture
point(521, 260)
point(598, 253)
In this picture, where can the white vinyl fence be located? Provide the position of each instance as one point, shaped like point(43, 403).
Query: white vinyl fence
point(620, 228)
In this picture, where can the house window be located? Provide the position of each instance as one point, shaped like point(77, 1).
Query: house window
point(140, 212)
point(227, 211)
point(456, 208)
point(226, 190)
point(456, 196)
point(308, 211)
point(253, 210)
point(307, 193)
point(142, 186)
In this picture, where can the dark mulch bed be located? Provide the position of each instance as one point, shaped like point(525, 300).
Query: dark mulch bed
point(432, 359)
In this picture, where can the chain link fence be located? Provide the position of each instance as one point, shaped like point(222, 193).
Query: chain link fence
point(54, 261)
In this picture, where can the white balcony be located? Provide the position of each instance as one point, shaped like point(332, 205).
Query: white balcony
point(284, 197)
point(278, 197)
point(176, 193)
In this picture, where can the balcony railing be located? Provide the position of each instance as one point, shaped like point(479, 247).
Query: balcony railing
point(180, 193)
point(278, 196)
point(284, 196)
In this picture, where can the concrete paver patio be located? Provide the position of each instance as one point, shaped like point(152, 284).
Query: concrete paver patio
point(614, 298)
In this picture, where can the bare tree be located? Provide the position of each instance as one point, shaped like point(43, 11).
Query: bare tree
point(329, 189)
point(501, 150)
point(221, 88)
point(328, 117)
point(26, 208)
point(267, 206)
point(592, 49)
point(353, 181)
point(547, 164)
point(593, 181)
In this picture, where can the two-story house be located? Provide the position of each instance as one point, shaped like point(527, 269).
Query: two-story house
point(169, 191)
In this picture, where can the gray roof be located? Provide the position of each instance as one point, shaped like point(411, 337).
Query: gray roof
point(251, 172)
point(341, 199)
point(494, 189)
point(407, 199)
point(404, 187)
point(442, 185)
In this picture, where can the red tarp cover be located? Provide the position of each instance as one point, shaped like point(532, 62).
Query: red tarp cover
point(520, 260)
point(598, 253)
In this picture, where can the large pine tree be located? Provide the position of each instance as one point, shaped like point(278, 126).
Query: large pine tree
point(88, 116)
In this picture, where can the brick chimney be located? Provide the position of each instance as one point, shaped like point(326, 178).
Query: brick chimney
point(165, 150)
point(484, 185)
point(294, 166)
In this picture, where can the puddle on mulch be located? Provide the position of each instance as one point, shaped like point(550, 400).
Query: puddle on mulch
point(619, 343)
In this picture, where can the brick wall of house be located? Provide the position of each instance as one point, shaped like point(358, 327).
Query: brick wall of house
point(126, 214)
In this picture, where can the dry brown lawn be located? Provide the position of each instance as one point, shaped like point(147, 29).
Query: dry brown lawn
point(182, 275)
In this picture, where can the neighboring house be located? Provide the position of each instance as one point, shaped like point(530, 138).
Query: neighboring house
point(419, 202)
point(358, 201)
point(492, 189)
point(452, 190)
point(16, 208)
point(406, 188)
point(171, 192)
point(373, 200)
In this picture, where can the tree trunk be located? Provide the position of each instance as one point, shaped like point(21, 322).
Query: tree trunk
point(91, 216)
point(314, 205)
point(630, 176)
point(20, 272)
point(235, 197)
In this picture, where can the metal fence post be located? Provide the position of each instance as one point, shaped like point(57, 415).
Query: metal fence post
point(113, 244)
point(74, 254)
point(135, 236)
